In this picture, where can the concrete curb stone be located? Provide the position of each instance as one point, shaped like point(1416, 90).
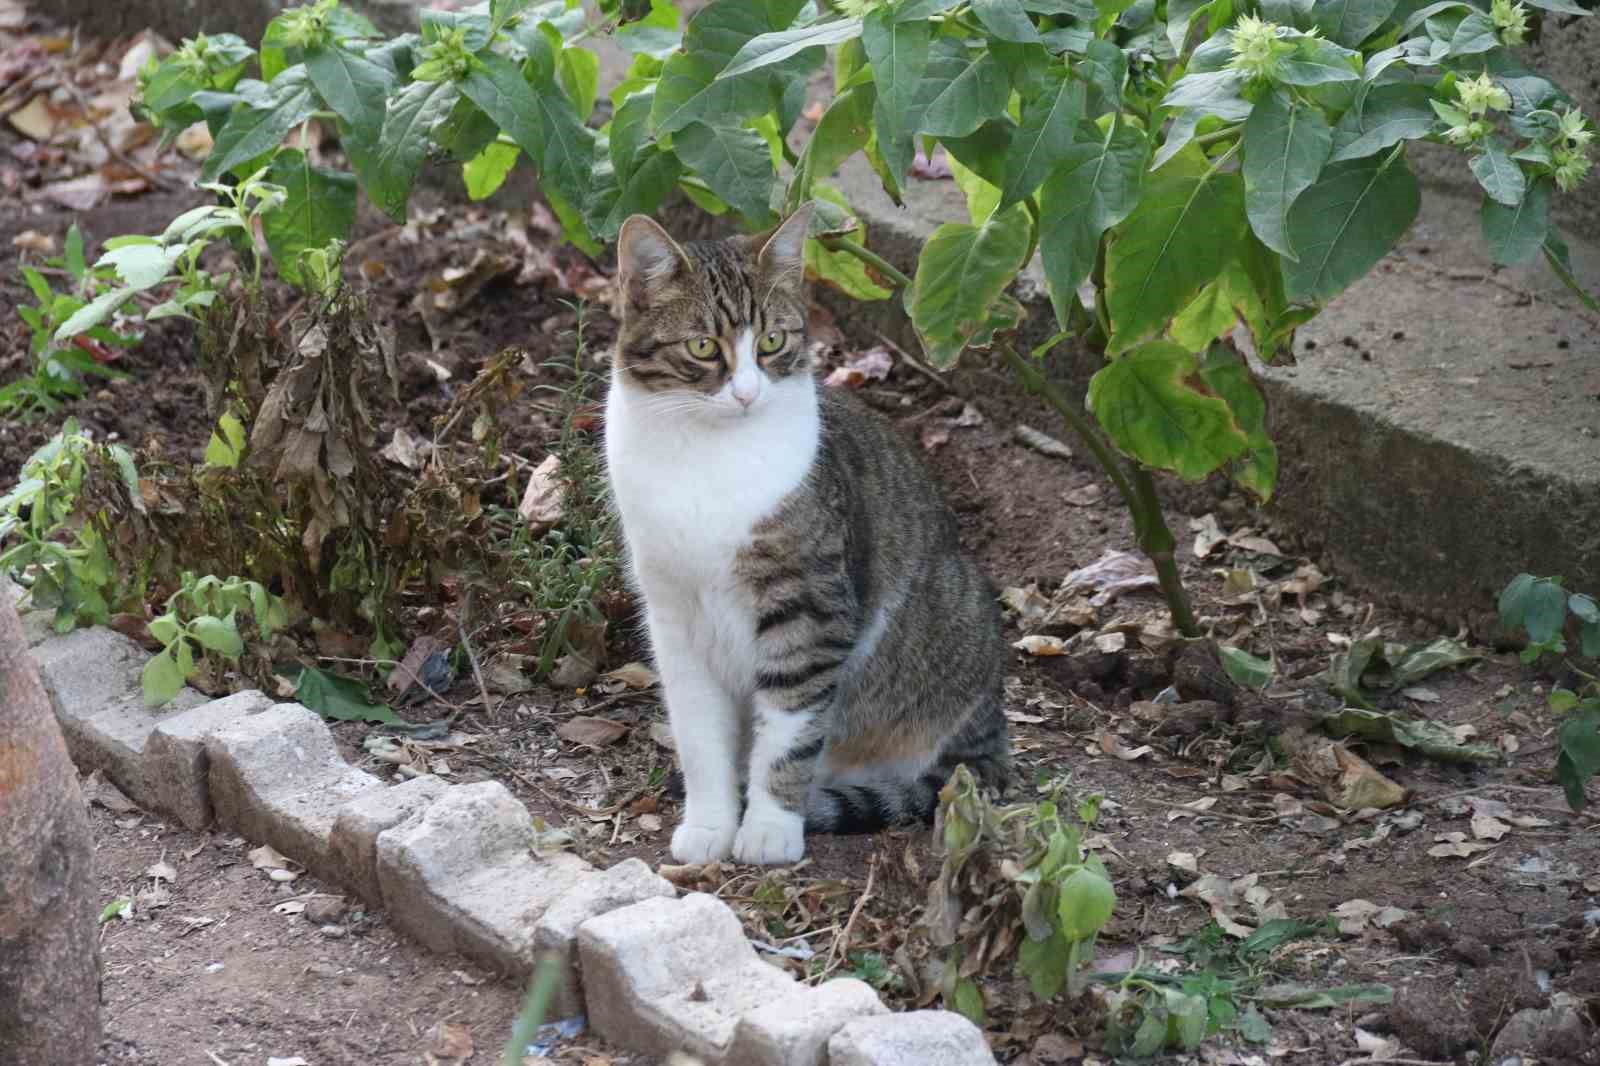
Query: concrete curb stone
point(915, 1038)
point(278, 777)
point(629, 881)
point(176, 761)
point(461, 876)
point(358, 824)
point(795, 1030)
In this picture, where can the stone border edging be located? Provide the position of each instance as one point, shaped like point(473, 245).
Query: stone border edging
point(454, 868)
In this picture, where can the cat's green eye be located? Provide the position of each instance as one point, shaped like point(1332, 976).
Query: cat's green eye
point(771, 342)
point(702, 347)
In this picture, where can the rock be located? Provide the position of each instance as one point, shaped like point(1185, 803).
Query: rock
point(175, 758)
point(354, 840)
point(461, 876)
point(628, 882)
point(277, 777)
point(916, 1038)
point(671, 975)
point(795, 1030)
point(1553, 1034)
point(325, 910)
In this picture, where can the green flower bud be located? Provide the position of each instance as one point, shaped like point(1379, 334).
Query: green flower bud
point(1258, 47)
point(1511, 20)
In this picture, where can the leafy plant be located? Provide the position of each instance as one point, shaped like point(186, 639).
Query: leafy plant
point(204, 615)
point(1538, 606)
point(1193, 166)
point(1016, 884)
point(63, 560)
point(59, 366)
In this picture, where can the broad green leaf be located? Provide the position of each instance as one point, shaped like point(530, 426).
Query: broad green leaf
point(1583, 607)
point(1094, 186)
point(1350, 22)
point(1578, 747)
point(961, 274)
point(1006, 19)
point(1502, 179)
point(1245, 669)
point(1049, 126)
point(1545, 612)
point(72, 253)
point(1474, 35)
point(734, 162)
point(579, 71)
point(1044, 964)
point(630, 132)
point(220, 635)
point(841, 269)
point(1389, 114)
point(1228, 297)
point(959, 95)
point(1346, 222)
point(1180, 14)
point(340, 698)
point(320, 206)
point(1104, 67)
point(1211, 93)
point(720, 29)
point(407, 126)
point(253, 131)
point(485, 172)
point(654, 177)
point(354, 86)
point(1154, 405)
point(1438, 654)
point(92, 313)
point(656, 35)
point(982, 197)
point(1560, 260)
point(143, 265)
point(1285, 146)
point(164, 628)
point(690, 92)
point(224, 449)
point(1514, 600)
point(1185, 229)
point(1188, 1015)
point(1228, 375)
point(898, 52)
point(842, 131)
point(1318, 62)
point(542, 123)
point(161, 678)
point(771, 48)
point(1429, 738)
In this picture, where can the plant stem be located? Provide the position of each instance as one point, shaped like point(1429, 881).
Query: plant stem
point(871, 258)
point(1136, 489)
point(534, 1008)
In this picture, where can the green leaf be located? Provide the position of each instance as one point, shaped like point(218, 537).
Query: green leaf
point(92, 313)
point(486, 172)
point(1389, 114)
point(1427, 738)
point(1346, 222)
point(898, 52)
point(220, 635)
point(1546, 611)
point(1514, 234)
point(164, 628)
point(579, 70)
point(224, 449)
point(735, 162)
point(1229, 377)
point(73, 253)
point(252, 131)
point(968, 1000)
point(1473, 35)
point(143, 265)
point(1104, 67)
point(161, 678)
point(959, 95)
point(407, 127)
point(542, 123)
point(1245, 669)
point(1185, 229)
point(115, 909)
point(1583, 607)
point(770, 48)
point(1418, 663)
point(1154, 405)
point(1578, 747)
point(961, 274)
point(1006, 19)
point(1044, 964)
point(1187, 1016)
point(1318, 62)
point(1049, 126)
point(653, 179)
point(1560, 260)
point(841, 269)
point(340, 698)
point(689, 91)
point(842, 131)
point(1285, 147)
point(1350, 22)
point(1094, 186)
point(982, 198)
point(1515, 599)
point(320, 207)
point(1502, 179)
point(354, 86)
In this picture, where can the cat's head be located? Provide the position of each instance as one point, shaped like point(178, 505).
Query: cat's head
point(713, 327)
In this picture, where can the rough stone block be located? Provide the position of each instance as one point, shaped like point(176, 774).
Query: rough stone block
point(88, 670)
point(462, 876)
point(671, 975)
point(277, 777)
point(916, 1038)
point(354, 841)
point(116, 739)
point(795, 1030)
point(626, 883)
point(175, 760)
point(37, 625)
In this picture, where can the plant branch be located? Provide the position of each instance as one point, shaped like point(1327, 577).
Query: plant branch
point(871, 258)
point(1036, 383)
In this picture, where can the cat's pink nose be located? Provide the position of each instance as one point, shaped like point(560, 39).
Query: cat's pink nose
point(745, 397)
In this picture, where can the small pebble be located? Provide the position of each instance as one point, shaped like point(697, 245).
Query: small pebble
point(334, 932)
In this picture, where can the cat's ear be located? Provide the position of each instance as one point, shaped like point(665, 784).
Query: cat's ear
point(783, 254)
point(646, 257)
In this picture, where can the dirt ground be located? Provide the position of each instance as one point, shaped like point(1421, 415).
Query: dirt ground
point(220, 965)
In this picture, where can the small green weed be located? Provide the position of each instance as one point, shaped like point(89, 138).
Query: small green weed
point(204, 614)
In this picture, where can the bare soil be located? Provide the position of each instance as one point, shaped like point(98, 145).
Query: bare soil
point(216, 973)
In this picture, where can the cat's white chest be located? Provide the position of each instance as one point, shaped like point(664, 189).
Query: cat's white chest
point(690, 491)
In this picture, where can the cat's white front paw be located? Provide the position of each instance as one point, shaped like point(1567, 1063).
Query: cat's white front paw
point(701, 843)
point(771, 838)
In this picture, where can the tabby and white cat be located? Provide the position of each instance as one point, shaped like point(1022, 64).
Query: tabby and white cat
point(820, 636)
